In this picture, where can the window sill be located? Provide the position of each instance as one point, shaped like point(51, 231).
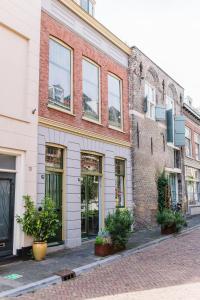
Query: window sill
point(115, 128)
point(60, 109)
point(190, 157)
point(172, 146)
point(92, 121)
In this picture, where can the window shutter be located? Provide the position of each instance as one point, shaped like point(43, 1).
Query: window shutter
point(160, 113)
point(170, 135)
point(179, 131)
point(145, 104)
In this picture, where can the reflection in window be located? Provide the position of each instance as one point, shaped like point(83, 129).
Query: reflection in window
point(90, 90)
point(120, 182)
point(87, 6)
point(54, 157)
point(59, 75)
point(91, 163)
point(114, 101)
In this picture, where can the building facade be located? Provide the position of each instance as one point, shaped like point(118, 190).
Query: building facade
point(157, 132)
point(192, 158)
point(19, 81)
point(84, 159)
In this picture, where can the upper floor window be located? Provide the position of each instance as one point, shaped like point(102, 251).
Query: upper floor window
point(60, 75)
point(197, 146)
point(150, 96)
point(188, 142)
point(87, 5)
point(115, 101)
point(91, 90)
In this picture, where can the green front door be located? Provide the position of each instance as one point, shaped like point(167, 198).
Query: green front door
point(53, 190)
point(89, 206)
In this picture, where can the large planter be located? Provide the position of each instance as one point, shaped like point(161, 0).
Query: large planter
point(103, 250)
point(39, 250)
point(168, 229)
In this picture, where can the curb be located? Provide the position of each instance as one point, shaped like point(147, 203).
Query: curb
point(81, 270)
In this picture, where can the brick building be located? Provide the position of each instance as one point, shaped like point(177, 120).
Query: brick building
point(192, 158)
point(84, 159)
point(157, 131)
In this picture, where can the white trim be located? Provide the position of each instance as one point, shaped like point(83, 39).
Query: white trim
point(173, 170)
point(136, 113)
point(172, 146)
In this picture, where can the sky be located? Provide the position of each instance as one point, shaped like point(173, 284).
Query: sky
point(168, 31)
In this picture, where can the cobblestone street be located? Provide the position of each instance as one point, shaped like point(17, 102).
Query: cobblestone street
point(171, 263)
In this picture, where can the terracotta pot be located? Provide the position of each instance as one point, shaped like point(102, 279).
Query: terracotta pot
point(168, 230)
point(103, 250)
point(39, 250)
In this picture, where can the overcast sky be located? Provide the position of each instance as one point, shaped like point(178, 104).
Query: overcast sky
point(168, 31)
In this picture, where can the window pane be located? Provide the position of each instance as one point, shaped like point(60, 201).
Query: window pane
point(54, 157)
point(90, 8)
point(84, 5)
point(7, 162)
point(114, 101)
point(90, 90)
point(91, 163)
point(59, 75)
point(119, 182)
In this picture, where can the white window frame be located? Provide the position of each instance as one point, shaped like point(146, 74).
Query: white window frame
point(150, 102)
point(197, 143)
point(50, 103)
point(121, 103)
point(171, 105)
point(189, 138)
point(99, 93)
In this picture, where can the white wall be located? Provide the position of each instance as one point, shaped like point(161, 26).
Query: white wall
point(19, 85)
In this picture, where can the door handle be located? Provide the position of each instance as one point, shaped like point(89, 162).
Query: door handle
point(2, 245)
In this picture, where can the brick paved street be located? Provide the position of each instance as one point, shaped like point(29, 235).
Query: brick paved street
point(173, 262)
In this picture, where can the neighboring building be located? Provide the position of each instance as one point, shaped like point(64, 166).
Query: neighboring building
point(19, 82)
point(157, 132)
point(192, 158)
point(84, 160)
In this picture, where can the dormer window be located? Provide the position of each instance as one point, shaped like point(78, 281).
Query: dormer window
point(87, 5)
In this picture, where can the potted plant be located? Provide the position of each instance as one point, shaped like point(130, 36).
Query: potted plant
point(170, 221)
point(119, 225)
point(103, 244)
point(40, 223)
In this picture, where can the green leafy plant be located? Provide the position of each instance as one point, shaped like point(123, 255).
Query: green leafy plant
point(41, 224)
point(163, 192)
point(103, 238)
point(118, 224)
point(169, 218)
point(99, 240)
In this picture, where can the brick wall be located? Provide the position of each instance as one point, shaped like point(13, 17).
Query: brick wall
point(151, 154)
point(81, 48)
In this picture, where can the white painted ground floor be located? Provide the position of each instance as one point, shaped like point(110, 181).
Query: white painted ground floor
point(86, 177)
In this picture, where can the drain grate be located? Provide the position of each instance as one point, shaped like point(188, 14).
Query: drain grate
point(66, 274)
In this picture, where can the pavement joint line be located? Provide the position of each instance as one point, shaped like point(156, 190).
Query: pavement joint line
point(78, 271)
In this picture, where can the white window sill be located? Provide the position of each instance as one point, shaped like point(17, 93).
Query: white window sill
point(52, 106)
point(115, 128)
point(92, 121)
point(172, 146)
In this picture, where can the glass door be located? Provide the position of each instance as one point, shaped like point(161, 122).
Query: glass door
point(89, 206)
point(173, 188)
point(7, 194)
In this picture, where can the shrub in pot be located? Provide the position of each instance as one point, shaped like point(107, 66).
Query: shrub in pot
point(103, 244)
point(170, 221)
point(40, 223)
point(119, 225)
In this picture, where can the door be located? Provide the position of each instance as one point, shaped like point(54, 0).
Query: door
point(53, 190)
point(7, 195)
point(173, 187)
point(89, 206)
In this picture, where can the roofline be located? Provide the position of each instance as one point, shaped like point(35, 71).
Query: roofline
point(135, 47)
point(191, 110)
point(75, 8)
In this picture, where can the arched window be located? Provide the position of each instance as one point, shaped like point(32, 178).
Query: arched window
point(150, 93)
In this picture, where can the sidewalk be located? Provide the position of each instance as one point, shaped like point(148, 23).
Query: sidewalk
point(28, 272)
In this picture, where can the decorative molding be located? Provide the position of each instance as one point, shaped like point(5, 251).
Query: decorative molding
point(80, 132)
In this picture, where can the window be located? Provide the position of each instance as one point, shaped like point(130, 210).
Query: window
point(170, 110)
point(193, 185)
point(87, 6)
point(188, 143)
point(120, 182)
point(150, 95)
point(114, 101)
point(91, 163)
point(91, 91)
point(54, 157)
point(197, 146)
point(60, 73)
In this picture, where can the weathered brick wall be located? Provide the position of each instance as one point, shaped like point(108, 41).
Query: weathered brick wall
point(151, 154)
point(81, 48)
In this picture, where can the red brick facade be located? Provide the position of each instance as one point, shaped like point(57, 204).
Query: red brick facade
point(195, 128)
point(81, 48)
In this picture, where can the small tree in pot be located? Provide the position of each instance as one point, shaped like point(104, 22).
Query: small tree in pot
point(103, 243)
point(119, 225)
point(40, 223)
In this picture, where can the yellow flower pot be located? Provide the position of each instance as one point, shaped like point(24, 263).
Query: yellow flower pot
point(39, 250)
